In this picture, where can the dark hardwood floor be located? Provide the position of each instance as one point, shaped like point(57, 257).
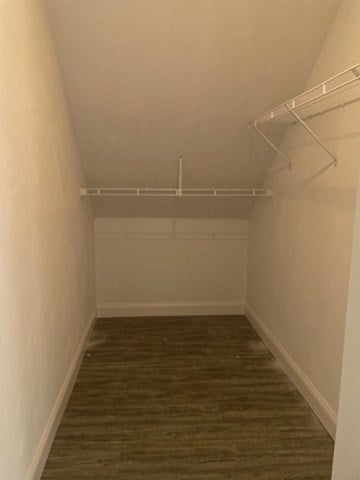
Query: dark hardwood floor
point(186, 398)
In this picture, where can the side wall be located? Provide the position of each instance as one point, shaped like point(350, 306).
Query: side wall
point(170, 266)
point(347, 447)
point(300, 242)
point(47, 294)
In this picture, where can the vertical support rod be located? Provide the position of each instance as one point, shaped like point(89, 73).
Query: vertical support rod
point(313, 134)
point(180, 177)
point(274, 147)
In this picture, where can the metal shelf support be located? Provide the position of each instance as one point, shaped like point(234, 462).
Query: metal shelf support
point(272, 145)
point(313, 134)
point(180, 178)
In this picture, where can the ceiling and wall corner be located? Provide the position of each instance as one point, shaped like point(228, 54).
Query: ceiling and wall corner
point(147, 82)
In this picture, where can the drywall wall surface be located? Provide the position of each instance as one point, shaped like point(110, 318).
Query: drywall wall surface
point(300, 242)
point(347, 448)
point(46, 238)
point(170, 266)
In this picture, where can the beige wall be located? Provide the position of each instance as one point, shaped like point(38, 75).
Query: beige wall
point(300, 242)
point(347, 448)
point(170, 266)
point(46, 246)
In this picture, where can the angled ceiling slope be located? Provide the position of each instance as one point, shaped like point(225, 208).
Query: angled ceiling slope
point(149, 81)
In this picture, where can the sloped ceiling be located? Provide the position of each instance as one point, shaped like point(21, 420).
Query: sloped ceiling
point(148, 81)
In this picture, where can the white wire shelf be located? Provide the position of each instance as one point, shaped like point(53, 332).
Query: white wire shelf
point(174, 192)
point(338, 83)
point(334, 85)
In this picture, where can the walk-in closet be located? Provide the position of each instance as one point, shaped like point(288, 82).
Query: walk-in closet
point(179, 239)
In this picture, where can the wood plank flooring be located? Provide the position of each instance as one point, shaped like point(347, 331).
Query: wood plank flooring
point(186, 398)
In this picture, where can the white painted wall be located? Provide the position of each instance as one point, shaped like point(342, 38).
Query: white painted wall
point(170, 266)
point(300, 242)
point(347, 447)
point(46, 240)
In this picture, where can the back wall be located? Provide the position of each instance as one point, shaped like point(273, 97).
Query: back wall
point(170, 266)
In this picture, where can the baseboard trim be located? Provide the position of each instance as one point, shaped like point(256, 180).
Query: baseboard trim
point(108, 310)
point(307, 389)
point(39, 460)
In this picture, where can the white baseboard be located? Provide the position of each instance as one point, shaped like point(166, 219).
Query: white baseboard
point(312, 396)
point(49, 432)
point(108, 310)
